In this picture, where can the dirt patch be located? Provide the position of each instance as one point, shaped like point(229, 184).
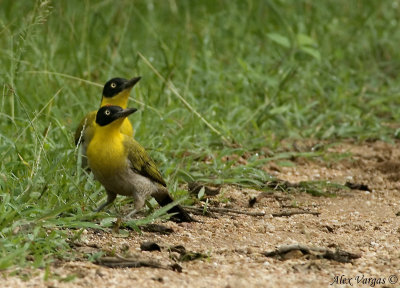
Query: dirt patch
point(233, 247)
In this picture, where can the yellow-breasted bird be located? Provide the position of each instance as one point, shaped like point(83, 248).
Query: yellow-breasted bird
point(115, 92)
point(123, 166)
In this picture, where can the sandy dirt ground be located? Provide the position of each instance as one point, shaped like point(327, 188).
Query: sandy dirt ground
point(233, 245)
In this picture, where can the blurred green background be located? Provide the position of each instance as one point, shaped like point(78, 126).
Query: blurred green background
point(256, 71)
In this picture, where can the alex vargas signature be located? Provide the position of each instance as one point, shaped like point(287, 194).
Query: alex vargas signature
point(361, 279)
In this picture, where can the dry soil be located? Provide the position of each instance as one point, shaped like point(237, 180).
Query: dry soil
point(233, 245)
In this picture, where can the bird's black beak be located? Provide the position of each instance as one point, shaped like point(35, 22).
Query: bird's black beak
point(130, 83)
point(125, 113)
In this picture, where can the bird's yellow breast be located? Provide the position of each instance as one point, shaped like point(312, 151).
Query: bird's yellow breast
point(106, 153)
point(127, 128)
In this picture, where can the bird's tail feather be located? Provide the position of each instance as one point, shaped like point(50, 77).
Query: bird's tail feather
point(163, 198)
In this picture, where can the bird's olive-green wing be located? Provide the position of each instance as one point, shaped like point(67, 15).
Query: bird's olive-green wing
point(141, 161)
point(87, 120)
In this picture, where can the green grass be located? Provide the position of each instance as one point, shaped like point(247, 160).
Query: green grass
point(251, 73)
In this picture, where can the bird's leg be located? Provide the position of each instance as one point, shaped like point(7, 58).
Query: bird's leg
point(110, 198)
point(139, 202)
point(129, 216)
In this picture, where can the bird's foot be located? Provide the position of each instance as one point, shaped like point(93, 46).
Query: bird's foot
point(129, 217)
point(101, 207)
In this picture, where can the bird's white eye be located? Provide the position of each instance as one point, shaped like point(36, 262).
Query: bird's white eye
point(113, 85)
point(107, 112)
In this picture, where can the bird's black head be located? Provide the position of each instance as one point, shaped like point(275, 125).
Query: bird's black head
point(107, 114)
point(117, 85)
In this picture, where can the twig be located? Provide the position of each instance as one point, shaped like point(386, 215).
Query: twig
point(321, 252)
point(200, 211)
point(134, 262)
point(219, 210)
point(291, 213)
point(228, 210)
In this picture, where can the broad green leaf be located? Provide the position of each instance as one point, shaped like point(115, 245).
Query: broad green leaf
point(304, 40)
point(279, 39)
point(312, 52)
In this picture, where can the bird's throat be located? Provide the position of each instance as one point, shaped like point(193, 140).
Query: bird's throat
point(120, 99)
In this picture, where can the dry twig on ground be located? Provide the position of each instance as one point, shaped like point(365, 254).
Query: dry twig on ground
point(319, 252)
